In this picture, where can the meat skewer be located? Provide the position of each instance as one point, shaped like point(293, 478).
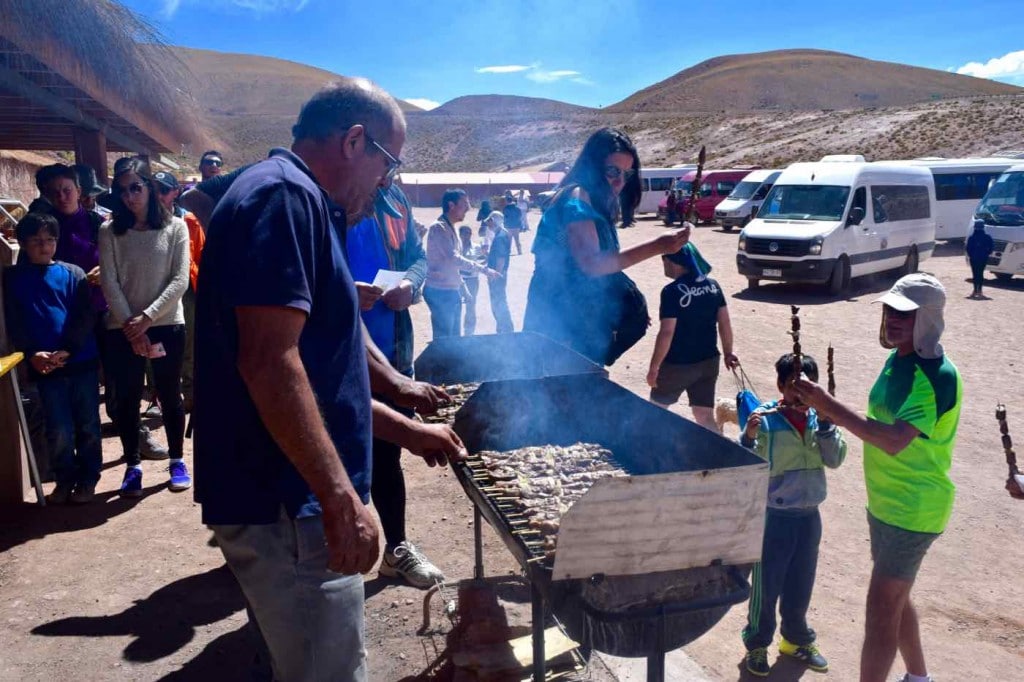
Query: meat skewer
point(798, 358)
point(1015, 477)
point(831, 371)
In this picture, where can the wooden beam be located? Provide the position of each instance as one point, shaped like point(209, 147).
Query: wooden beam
point(91, 150)
point(76, 118)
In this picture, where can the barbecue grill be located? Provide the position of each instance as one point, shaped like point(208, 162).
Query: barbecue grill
point(645, 563)
point(523, 355)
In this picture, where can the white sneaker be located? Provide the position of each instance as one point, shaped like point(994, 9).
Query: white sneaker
point(409, 563)
point(906, 678)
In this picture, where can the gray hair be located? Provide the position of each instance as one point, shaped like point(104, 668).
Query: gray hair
point(348, 102)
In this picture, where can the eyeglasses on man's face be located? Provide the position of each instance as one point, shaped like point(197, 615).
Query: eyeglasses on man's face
point(614, 173)
point(212, 162)
point(393, 163)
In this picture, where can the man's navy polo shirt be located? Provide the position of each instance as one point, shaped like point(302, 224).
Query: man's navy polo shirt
point(272, 242)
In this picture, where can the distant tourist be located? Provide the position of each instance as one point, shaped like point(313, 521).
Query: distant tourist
point(144, 271)
point(470, 279)
point(50, 319)
point(579, 295)
point(443, 288)
point(514, 219)
point(909, 432)
point(483, 213)
point(210, 164)
point(499, 251)
point(523, 202)
point(979, 247)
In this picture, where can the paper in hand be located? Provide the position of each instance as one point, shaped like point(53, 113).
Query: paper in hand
point(388, 279)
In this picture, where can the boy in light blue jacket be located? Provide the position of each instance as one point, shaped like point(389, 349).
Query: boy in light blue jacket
point(798, 446)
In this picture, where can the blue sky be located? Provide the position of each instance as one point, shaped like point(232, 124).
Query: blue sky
point(589, 52)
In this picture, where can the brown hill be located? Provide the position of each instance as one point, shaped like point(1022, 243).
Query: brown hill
point(803, 80)
point(251, 102)
point(506, 105)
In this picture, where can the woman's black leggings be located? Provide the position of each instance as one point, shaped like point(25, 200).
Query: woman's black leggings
point(978, 273)
point(128, 371)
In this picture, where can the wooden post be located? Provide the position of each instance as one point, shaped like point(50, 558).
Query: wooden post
point(91, 150)
point(12, 469)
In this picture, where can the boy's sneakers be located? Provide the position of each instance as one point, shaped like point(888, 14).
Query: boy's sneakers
point(808, 654)
point(906, 678)
point(180, 480)
point(757, 662)
point(409, 563)
point(60, 495)
point(84, 493)
point(131, 486)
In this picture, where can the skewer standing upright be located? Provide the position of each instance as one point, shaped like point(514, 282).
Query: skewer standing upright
point(798, 357)
point(1011, 456)
point(831, 371)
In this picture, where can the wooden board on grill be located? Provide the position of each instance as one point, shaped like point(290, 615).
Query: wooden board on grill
point(664, 522)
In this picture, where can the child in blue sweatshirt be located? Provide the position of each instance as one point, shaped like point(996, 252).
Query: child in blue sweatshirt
point(798, 446)
point(51, 320)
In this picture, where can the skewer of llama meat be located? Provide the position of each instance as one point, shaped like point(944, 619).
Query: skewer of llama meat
point(831, 371)
point(1015, 477)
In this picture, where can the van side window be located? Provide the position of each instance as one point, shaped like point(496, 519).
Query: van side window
point(705, 189)
point(646, 185)
point(660, 184)
point(762, 191)
point(900, 202)
point(724, 187)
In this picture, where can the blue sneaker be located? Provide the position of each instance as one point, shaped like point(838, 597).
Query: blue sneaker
point(131, 486)
point(180, 480)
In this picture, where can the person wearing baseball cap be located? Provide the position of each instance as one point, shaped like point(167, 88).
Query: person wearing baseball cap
point(909, 432)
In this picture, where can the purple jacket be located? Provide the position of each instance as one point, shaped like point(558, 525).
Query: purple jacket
point(78, 245)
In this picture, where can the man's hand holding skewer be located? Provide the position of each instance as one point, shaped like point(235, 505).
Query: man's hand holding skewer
point(813, 395)
point(420, 396)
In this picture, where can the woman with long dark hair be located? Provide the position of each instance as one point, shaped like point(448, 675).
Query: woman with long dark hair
point(144, 271)
point(576, 295)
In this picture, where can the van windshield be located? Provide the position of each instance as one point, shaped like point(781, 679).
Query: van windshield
point(805, 202)
point(684, 186)
point(1004, 202)
point(744, 190)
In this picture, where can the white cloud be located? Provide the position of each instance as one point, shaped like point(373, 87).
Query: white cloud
point(1008, 67)
point(171, 7)
point(508, 68)
point(422, 103)
point(539, 75)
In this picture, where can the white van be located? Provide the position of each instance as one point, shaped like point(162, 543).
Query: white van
point(829, 222)
point(959, 186)
point(1002, 209)
point(655, 182)
point(740, 207)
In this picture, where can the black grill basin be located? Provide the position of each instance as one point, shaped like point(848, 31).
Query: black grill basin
point(625, 615)
point(493, 357)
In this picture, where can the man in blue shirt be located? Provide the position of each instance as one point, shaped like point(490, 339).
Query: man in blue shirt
point(283, 421)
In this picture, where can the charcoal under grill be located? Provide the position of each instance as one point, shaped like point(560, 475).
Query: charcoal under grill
point(647, 563)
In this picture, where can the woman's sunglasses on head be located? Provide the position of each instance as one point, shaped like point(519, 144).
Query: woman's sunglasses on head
point(614, 173)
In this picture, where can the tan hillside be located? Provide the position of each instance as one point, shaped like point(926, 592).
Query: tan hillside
point(802, 80)
point(251, 102)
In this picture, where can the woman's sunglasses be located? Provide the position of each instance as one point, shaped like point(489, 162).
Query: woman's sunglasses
point(134, 188)
point(614, 173)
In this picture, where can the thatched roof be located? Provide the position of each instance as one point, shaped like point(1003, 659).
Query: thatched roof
point(105, 61)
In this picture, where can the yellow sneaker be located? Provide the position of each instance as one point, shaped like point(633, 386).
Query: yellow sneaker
point(808, 654)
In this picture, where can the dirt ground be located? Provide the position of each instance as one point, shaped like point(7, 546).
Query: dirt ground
point(130, 590)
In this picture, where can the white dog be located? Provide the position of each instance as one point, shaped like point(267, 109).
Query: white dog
point(725, 413)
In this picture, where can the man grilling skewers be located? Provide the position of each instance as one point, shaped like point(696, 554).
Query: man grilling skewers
point(909, 433)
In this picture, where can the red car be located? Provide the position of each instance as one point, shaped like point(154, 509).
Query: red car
point(715, 186)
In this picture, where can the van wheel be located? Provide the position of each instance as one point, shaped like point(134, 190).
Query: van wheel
point(910, 265)
point(1003, 276)
point(840, 279)
point(753, 283)
point(727, 228)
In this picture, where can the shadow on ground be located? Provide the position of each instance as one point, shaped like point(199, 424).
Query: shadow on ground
point(784, 669)
point(166, 620)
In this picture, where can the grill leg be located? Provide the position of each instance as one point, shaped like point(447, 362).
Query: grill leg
point(478, 544)
point(656, 659)
point(537, 600)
